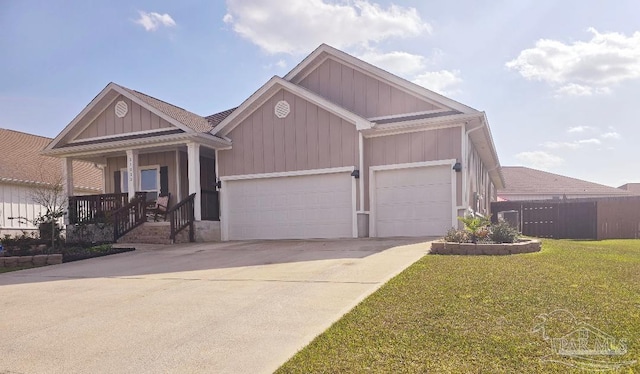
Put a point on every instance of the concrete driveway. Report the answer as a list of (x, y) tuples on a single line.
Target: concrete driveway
[(235, 307)]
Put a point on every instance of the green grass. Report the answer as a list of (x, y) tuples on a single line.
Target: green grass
[(475, 314)]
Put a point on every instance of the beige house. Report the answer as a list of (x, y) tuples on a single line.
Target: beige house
[(336, 148), (25, 174)]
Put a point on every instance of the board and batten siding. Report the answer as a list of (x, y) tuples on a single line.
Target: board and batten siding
[(308, 138), (479, 182), (361, 93), (167, 158), (136, 119), (430, 145)]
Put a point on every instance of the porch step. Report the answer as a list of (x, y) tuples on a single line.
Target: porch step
[(154, 233)]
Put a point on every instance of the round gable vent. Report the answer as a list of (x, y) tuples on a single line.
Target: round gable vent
[(282, 109), (121, 109)]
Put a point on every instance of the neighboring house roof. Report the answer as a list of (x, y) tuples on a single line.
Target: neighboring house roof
[(521, 180), (22, 163), (634, 188)]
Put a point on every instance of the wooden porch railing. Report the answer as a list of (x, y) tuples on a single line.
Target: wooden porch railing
[(181, 216), (97, 208), (129, 217), (94, 208)]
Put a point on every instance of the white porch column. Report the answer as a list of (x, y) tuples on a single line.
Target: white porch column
[(193, 156), (67, 182), (132, 172)]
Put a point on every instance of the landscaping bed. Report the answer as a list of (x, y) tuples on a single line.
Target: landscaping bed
[(82, 253), (492, 249), (29, 252)]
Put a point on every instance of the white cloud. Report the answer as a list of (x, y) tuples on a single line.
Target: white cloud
[(280, 64), (571, 145), (295, 27), (579, 129), (443, 81), (151, 21), (589, 141), (561, 145), (610, 135), (401, 63), (582, 68), (573, 89), (539, 159)]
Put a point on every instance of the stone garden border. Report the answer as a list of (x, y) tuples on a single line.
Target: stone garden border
[(30, 261), (449, 248)]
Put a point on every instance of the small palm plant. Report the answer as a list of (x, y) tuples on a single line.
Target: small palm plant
[(475, 225)]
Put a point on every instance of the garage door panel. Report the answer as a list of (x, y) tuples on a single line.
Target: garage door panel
[(295, 207), (413, 201)]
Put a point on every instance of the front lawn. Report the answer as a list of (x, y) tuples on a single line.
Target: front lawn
[(475, 314)]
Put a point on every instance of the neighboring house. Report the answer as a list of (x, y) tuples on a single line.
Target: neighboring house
[(633, 188), (524, 183), (337, 148), (24, 172)]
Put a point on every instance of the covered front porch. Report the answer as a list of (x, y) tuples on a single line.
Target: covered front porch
[(176, 185), (150, 152)]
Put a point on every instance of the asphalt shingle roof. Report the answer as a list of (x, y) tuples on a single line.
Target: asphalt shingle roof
[(21, 162), (523, 180), (187, 118), (216, 118)]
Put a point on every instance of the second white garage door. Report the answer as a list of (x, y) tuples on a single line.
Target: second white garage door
[(292, 207), (415, 201)]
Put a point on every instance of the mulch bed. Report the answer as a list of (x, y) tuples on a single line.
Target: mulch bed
[(83, 255)]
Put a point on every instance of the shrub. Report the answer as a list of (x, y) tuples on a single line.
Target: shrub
[(456, 236), (475, 225), (502, 232)]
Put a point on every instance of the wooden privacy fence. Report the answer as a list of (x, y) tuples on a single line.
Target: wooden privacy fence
[(600, 218)]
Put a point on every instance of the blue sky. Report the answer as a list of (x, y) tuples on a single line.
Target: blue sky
[(559, 80)]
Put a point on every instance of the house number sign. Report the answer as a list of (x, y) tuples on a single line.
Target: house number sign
[(130, 169)]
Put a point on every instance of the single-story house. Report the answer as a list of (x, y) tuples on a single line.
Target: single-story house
[(25, 173), (523, 183), (336, 148)]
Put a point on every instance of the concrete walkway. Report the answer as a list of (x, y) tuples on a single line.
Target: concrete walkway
[(237, 307)]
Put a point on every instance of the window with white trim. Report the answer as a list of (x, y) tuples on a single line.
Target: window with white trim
[(148, 181)]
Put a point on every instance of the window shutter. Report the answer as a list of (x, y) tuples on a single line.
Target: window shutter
[(116, 182), (164, 180)]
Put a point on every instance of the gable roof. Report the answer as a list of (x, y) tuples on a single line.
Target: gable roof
[(179, 117), (187, 118), (521, 180), (325, 51), (216, 118), (22, 163), (269, 89)]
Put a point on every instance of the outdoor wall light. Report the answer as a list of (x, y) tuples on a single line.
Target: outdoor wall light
[(457, 167), (356, 174)]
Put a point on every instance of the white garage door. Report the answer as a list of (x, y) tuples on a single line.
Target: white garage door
[(295, 207), (413, 201)]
